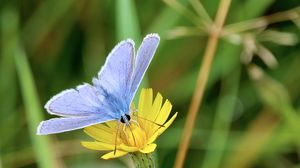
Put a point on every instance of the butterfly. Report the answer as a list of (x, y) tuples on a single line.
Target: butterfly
[(109, 96)]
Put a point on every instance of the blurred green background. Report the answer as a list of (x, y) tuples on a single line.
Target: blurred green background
[(250, 112)]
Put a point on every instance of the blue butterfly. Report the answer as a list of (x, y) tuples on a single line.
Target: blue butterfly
[(110, 95)]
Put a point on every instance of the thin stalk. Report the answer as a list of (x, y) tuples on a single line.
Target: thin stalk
[(166, 20), (201, 82), (177, 6), (197, 5), (261, 22)]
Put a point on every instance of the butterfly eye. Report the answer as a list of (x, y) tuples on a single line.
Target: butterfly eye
[(127, 117)]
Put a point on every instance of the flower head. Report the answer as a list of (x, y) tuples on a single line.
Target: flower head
[(146, 124)]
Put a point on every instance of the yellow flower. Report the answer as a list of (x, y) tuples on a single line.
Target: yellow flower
[(145, 126)]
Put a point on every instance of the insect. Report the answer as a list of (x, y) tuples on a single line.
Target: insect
[(110, 95)]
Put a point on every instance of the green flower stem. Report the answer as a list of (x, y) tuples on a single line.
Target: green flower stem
[(143, 160)]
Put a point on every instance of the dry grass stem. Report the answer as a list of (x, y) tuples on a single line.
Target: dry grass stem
[(261, 22), (201, 82)]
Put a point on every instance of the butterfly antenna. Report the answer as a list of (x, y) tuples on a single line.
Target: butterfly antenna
[(115, 149), (160, 125)]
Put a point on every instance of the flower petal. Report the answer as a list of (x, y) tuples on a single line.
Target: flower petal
[(164, 112), (100, 132), (112, 124), (96, 146), (128, 148), (114, 154), (162, 129), (149, 148), (167, 124), (145, 103), (154, 113)]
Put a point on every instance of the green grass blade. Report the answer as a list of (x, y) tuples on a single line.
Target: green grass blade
[(42, 145), (166, 20), (222, 121), (127, 24), (8, 115)]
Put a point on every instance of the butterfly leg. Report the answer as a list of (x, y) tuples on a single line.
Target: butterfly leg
[(136, 122), (116, 138), (124, 130)]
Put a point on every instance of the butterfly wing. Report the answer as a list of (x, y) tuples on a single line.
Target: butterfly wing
[(144, 56), (122, 73), (75, 102), (111, 94), (78, 107), (114, 77), (63, 124)]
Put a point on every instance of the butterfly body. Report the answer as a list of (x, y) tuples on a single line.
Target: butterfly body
[(110, 95)]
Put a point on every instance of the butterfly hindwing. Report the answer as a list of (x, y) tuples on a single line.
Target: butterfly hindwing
[(58, 125), (81, 101), (78, 107)]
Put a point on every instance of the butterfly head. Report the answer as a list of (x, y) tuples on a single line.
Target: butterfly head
[(125, 119)]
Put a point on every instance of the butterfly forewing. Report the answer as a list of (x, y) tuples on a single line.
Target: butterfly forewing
[(115, 75), (144, 56), (58, 125)]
